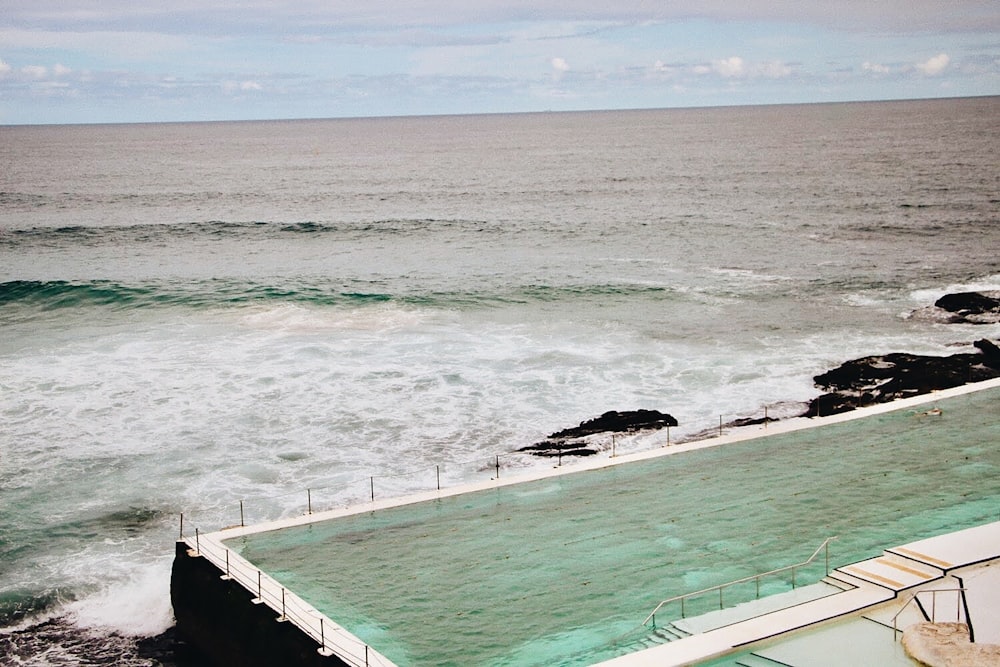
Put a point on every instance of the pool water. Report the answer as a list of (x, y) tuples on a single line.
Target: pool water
[(562, 571)]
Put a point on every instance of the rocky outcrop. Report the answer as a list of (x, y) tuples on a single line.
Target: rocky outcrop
[(963, 308), (884, 378), (971, 307), (573, 441), (947, 645)]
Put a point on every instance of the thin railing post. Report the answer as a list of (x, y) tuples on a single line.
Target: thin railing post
[(498, 466), (720, 597), (182, 526), (309, 500), (241, 514), (197, 542), (438, 467), (682, 607), (757, 580), (720, 426), (371, 481), (793, 577)]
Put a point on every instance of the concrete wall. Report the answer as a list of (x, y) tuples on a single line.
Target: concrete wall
[(218, 619)]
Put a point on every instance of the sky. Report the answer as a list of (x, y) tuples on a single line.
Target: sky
[(91, 61)]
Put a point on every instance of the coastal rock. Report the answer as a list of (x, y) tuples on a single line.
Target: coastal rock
[(971, 307), (571, 441), (884, 378), (962, 308)]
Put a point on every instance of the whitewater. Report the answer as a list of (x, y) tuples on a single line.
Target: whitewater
[(199, 317)]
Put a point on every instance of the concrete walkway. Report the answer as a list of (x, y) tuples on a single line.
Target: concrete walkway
[(922, 564)]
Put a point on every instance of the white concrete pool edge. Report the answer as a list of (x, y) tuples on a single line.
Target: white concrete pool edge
[(737, 434)]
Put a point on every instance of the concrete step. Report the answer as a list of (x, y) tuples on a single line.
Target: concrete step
[(893, 572)]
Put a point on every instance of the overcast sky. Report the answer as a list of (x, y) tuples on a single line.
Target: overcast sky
[(82, 61)]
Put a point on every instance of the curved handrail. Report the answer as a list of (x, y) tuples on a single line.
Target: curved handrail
[(719, 587), (934, 591)]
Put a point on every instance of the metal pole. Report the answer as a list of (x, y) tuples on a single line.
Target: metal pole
[(283, 603), (720, 426), (668, 435), (182, 526), (612, 445), (438, 476), (227, 562), (322, 637), (720, 597), (241, 514), (197, 542), (259, 596), (498, 466), (372, 482), (309, 499), (757, 579)]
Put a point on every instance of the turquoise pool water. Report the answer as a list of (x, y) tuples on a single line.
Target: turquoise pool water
[(561, 571)]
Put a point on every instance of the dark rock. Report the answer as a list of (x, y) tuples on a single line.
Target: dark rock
[(619, 422), (568, 441), (971, 307), (884, 378)]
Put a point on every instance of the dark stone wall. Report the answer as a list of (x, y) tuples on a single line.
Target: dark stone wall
[(218, 620)]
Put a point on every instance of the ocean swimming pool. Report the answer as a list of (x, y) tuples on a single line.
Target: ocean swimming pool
[(562, 570)]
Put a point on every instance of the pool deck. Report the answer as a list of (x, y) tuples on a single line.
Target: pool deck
[(867, 584), (906, 569)]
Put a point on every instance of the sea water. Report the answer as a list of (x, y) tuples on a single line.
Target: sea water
[(192, 315)]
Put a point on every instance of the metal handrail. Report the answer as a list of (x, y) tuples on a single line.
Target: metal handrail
[(755, 577), (960, 603), (332, 639)]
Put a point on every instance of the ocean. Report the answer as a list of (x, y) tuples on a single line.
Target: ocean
[(213, 319)]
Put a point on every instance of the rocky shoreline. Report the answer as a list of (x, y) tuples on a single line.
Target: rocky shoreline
[(857, 383)]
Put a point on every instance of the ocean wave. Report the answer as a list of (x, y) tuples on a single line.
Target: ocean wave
[(60, 294), (99, 235)]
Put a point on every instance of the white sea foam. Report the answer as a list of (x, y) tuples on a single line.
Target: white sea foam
[(136, 607)]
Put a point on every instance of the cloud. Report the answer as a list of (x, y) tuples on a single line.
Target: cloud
[(729, 68), (249, 86), (4, 68), (735, 67), (935, 65), (874, 68), (296, 17), (559, 68), (35, 71)]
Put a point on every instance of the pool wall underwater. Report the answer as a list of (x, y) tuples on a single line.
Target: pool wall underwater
[(227, 607)]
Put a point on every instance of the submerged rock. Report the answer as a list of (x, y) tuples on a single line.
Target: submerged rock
[(571, 441), (884, 378)]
